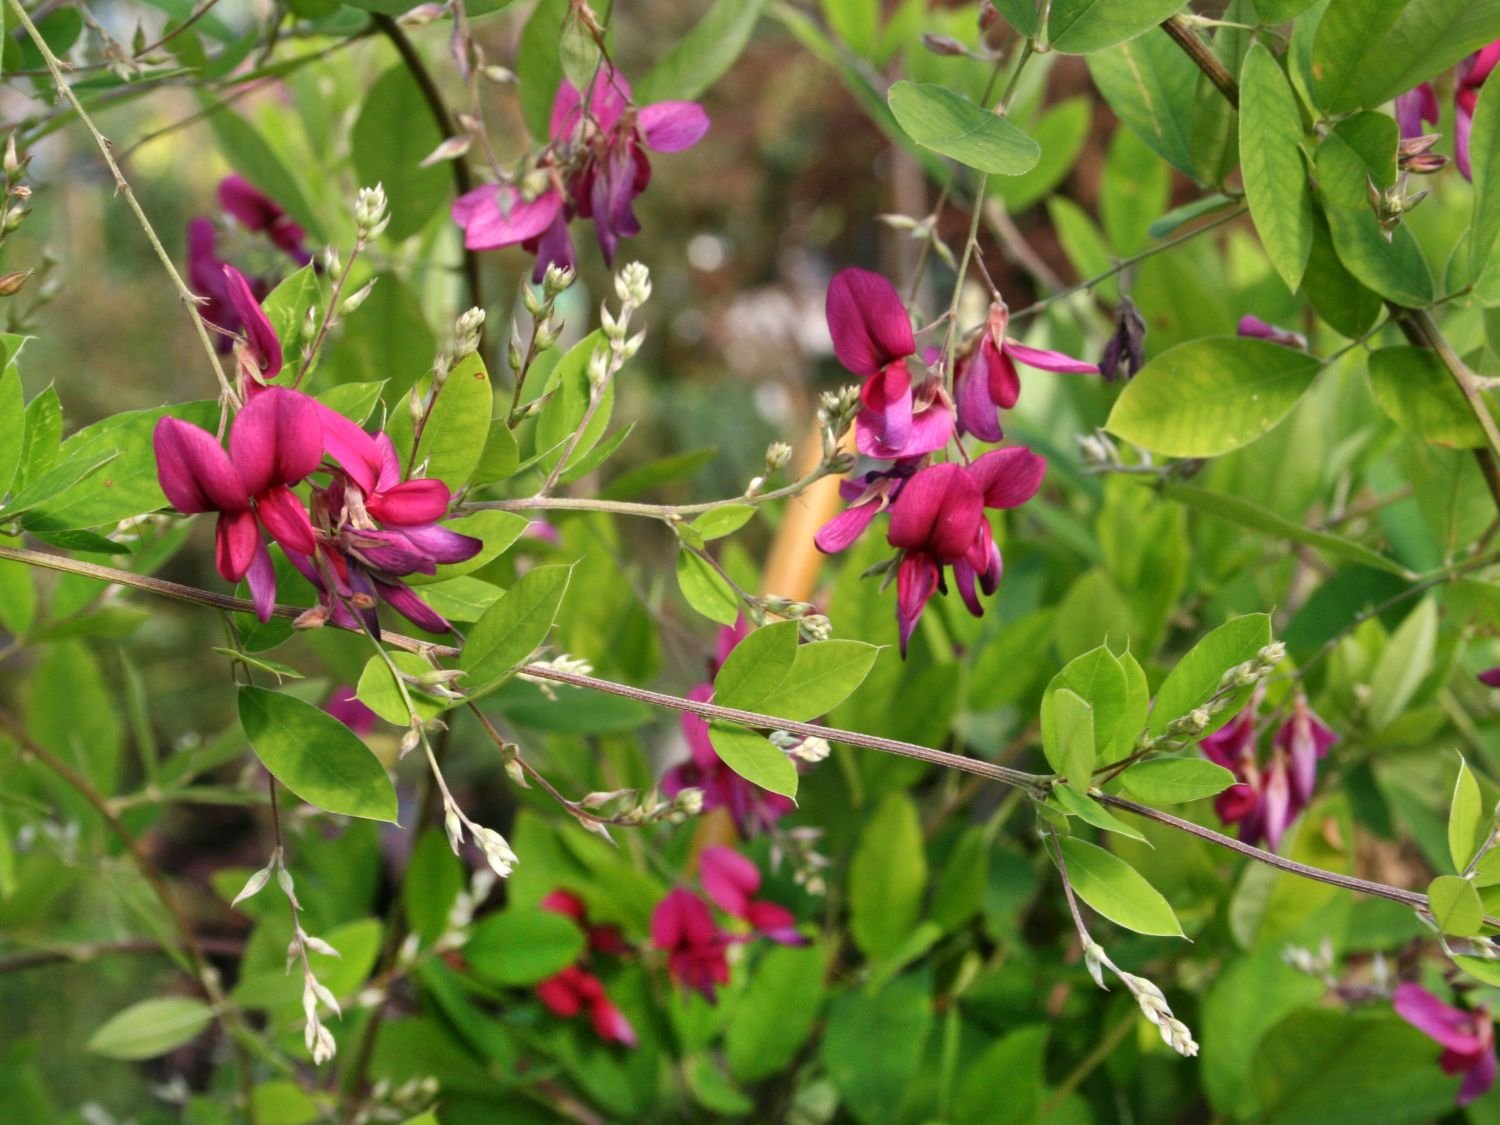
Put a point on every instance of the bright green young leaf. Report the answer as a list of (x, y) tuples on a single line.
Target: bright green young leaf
[(393, 157), (1404, 664), (1173, 781), (1346, 34), (823, 676), (1480, 969), (286, 308), (521, 946), (702, 56), (1079, 27), (1137, 708), (512, 629), (705, 589), (378, 691), (458, 427), (724, 520), (1070, 750), (501, 456), (1416, 391), (151, 1028), (1179, 217), (354, 401), (937, 118), (1464, 817), (1455, 906), (1484, 164), (887, 877), (1487, 870), (1271, 160), (1117, 890), (315, 756), (1196, 678), (757, 666), (1247, 513), (463, 598), (1060, 134), (1023, 15), (12, 427), (776, 1014), (1212, 395), (564, 413), (43, 439), (754, 758), (1099, 678), (1090, 811)]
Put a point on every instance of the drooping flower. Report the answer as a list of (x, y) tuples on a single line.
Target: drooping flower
[(602, 937), (594, 167), (868, 495), (1490, 677), (872, 337), (1255, 328), (731, 881), (1467, 1037), (986, 381), (1125, 352), (274, 443), (1472, 73), (1304, 738), (1416, 106), (257, 211), (683, 927), (938, 521), (575, 990), (260, 353)]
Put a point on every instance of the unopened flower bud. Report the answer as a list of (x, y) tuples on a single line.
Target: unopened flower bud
[(358, 297), (314, 618), (14, 217), (547, 333), (370, 218), (11, 283), (469, 324), (612, 327), (633, 284), (422, 14), (253, 886), (556, 280), (943, 44), (778, 455), (1272, 655), (318, 945), (499, 75), (497, 853), (284, 881), (14, 166), (1093, 960), (598, 369), (815, 627), (514, 356), (533, 301), (688, 801), (631, 346), (332, 264), (453, 825), (450, 149), (988, 14)]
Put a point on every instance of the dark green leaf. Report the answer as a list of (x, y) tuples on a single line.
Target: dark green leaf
[(776, 1014), (899, 1018), (1197, 675), (392, 157), (512, 629), (1347, 33), (1416, 391), (522, 946), (887, 876), (315, 756), (1425, 39), (702, 56)]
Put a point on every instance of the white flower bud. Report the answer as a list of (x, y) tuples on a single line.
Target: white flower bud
[(253, 886), (324, 1048), (410, 740), (778, 454), (499, 75), (284, 880), (632, 345), (532, 300), (689, 801), (598, 369), (370, 219), (497, 852), (453, 825), (331, 263), (556, 279), (612, 328), (633, 284), (318, 945), (358, 297), (1272, 655), (450, 149)]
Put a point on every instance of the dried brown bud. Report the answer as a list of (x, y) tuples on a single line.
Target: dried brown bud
[(10, 283), (943, 44)]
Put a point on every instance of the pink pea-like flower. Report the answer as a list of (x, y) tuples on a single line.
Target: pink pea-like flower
[(1467, 1038)]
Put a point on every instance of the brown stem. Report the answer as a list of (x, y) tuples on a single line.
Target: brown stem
[(1202, 54)]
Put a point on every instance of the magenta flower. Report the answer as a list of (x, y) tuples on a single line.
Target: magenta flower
[(1472, 74), (986, 381), (345, 706), (683, 927), (1490, 677), (602, 937), (1255, 328), (257, 211), (260, 354), (274, 443), (594, 167), (1304, 738), (872, 337), (575, 990), (938, 521), (731, 881), (868, 496), (1467, 1038), (1416, 106)]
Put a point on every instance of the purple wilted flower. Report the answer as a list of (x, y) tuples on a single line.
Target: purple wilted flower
[(986, 381), (1472, 74), (1258, 329), (1304, 738), (594, 167), (1125, 353), (1467, 1038), (938, 521), (872, 337), (274, 443), (731, 881), (345, 706)]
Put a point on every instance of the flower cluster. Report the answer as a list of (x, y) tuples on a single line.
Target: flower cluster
[(1267, 797), (594, 167), (576, 990), (697, 948), (1467, 1038), (257, 213), (751, 807), (368, 528), (937, 510), (1421, 104)]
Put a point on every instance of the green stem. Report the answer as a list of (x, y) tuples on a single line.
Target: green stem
[(630, 508)]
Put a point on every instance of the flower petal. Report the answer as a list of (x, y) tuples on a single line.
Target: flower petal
[(262, 579), (916, 580), (411, 607), (420, 501), (509, 219), (277, 439), (1449, 1026), (194, 471), (729, 879), (940, 506), (976, 409), (673, 126), (867, 321), (265, 345), (236, 539), (930, 431), (470, 202), (1479, 1080), (845, 527), (1047, 360), (351, 447), (1008, 478), (286, 519)]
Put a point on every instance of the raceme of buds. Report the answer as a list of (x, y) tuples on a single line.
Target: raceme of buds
[(633, 284), (778, 455), (370, 218), (556, 280), (497, 852)]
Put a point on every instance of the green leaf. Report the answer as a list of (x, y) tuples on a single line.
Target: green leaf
[(12, 427), (521, 946), (1079, 27), (274, 667), (1070, 749), (1209, 396), (1404, 664), (1279, 11), (1172, 781), (315, 756), (1455, 906), (1246, 513), (887, 875), (1023, 15), (705, 589), (1425, 38), (512, 629), (871, 1083), (776, 1014), (723, 520), (937, 118), (1347, 304), (1117, 890), (1271, 161), (1137, 708), (539, 64), (1480, 969), (823, 676), (354, 401), (458, 428), (151, 1028), (1484, 164), (393, 157), (1196, 678), (1464, 818), (378, 691), (248, 154), (1417, 393), (1016, 1064), (754, 758), (702, 56), (959, 886), (1179, 217), (501, 456), (1099, 678), (1346, 34), (564, 412), (757, 666), (433, 880), (1133, 192), (462, 598), (286, 308), (1246, 1000), (1090, 811)]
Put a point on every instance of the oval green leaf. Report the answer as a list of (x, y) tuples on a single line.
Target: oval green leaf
[(1172, 781), (1271, 163), (1416, 392), (1455, 906), (754, 758), (1117, 890), (151, 1028), (513, 627), (1078, 27), (520, 946), (1197, 675), (937, 118)]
